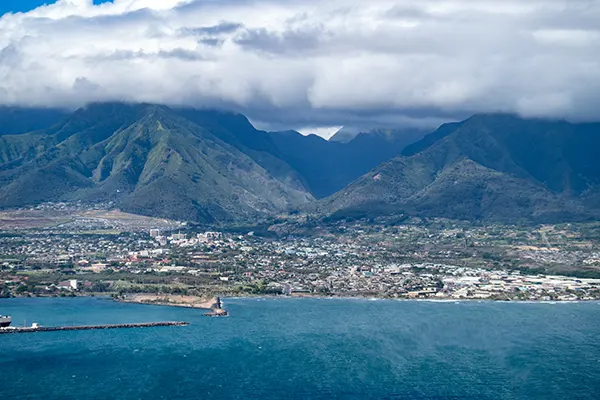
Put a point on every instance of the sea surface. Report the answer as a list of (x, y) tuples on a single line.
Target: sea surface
[(305, 349)]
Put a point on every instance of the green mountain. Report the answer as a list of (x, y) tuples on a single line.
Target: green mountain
[(215, 167), (147, 159), (200, 165), (493, 167), (322, 167), (235, 130)]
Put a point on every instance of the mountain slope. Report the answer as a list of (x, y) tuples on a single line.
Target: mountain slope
[(305, 162), (237, 131), (494, 167), (147, 159)]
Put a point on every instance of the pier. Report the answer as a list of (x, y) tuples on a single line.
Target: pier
[(88, 327)]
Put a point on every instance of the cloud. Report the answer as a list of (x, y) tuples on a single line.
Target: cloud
[(293, 63)]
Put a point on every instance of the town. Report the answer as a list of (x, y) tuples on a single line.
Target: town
[(73, 250)]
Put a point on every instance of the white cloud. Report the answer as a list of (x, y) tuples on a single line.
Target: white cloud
[(310, 62), (324, 131)]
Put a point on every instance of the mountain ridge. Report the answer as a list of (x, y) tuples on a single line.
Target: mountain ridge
[(213, 166), (544, 168)]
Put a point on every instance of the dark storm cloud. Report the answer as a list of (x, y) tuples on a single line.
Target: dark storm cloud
[(224, 27), (291, 42), (178, 53)]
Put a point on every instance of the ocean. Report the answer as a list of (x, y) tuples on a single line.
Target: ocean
[(305, 349)]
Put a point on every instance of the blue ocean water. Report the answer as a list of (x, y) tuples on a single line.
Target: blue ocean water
[(306, 349)]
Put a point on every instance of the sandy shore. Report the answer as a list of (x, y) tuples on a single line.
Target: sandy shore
[(171, 300)]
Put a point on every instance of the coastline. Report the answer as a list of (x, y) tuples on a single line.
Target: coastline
[(208, 302), (407, 299)]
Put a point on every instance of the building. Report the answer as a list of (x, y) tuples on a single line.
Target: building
[(426, 292), (154, 233), (71, 284), (96, 268)]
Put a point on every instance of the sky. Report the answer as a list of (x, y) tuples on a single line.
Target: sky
[(309, 63), (15, 6), (19, 5)]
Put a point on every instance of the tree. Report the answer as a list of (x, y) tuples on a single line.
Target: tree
[(21, 289)]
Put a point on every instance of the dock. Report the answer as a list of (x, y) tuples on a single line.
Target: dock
[(88, 327)]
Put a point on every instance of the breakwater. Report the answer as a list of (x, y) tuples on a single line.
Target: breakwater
[(217, 313), (88, 327)]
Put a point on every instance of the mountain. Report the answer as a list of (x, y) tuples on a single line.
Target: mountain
[(182, 163), (16, 120), (490, 167), (215, 167), (322, 167), (405, 135), (328, 167), (237, 131), (148, 159)]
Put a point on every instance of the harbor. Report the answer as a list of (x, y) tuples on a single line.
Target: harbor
[(216, 310), (35, 328)]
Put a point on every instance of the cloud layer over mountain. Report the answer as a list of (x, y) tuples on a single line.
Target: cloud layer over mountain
[(294, 62)]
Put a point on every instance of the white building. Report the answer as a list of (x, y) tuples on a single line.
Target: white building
[(154, 233)]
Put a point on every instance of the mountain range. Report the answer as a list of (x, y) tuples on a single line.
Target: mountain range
[(214, 167), (199, 165)]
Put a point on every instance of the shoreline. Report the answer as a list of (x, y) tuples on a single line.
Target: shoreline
[(402, 299), (207, 303)]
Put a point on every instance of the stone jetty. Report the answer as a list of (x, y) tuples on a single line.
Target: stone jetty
[(88, 327)]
